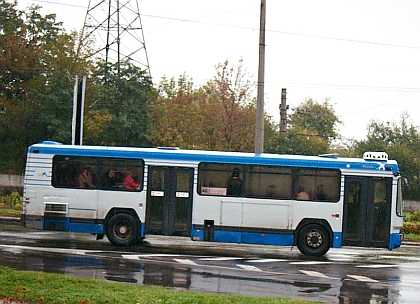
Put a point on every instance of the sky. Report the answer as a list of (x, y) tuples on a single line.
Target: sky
[(363, 56)]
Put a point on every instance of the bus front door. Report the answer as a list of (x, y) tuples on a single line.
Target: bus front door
[(367, 207), (169, 201)]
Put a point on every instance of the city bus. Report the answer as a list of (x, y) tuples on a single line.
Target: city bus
[(128, 193)]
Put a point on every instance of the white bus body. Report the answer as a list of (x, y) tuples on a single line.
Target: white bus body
[(312, 202)]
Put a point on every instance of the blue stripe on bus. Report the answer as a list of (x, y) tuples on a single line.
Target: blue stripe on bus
[(257, 237), (337, 239), (395, 240), (93, 228), (226, 236), (215, 156), (86, 227)]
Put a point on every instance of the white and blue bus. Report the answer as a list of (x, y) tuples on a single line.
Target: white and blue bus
[(314, 202)]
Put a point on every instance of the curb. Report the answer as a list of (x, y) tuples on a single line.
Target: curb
[(10, 220)]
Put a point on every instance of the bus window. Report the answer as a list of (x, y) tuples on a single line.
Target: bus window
[(317, 185), (74, 172), (220, 179), (122, 174), (268, 182), (400, 204)]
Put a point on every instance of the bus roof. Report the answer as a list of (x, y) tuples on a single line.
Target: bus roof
[(197, 156)]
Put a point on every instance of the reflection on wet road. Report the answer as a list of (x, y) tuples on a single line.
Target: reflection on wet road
[(343, 276)]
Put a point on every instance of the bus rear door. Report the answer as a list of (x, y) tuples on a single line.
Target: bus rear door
[(169, 201), (367, 207)]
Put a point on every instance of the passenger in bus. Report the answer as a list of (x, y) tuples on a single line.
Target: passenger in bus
[(129, 182), (109, 180), (64, 176), (235, 184), (85, 179), (273, 191), (300, 194), (320, 193)]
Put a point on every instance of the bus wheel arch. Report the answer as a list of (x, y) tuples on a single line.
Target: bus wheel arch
[(313, 237), (122, 227)]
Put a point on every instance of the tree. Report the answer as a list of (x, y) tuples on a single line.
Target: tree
[(117, 106), (311, 128), (28, 43), (319, 119), (220, 115), (402, 142)]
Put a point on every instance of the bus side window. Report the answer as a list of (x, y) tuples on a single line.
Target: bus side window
[(268, 182), (320, 185), (219, 179)]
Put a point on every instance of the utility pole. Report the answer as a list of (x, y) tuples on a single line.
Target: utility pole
[(78, 107), (283, 114), (259, 127)]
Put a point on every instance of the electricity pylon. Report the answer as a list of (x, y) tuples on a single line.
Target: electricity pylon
[(116, 30)]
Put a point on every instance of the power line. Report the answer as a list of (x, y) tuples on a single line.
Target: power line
[(253, 28)]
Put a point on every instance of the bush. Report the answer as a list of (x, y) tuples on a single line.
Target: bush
[(415, 216), (11, 200), (410, 228)]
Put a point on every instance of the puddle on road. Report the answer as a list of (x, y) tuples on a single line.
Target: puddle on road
[(345, 290)]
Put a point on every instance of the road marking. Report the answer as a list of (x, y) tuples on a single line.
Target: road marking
[(265, 261), (186, 262), (362, 278), (55, 250), (131, 256), (408, 258), (309, 263), (159, 255), (317, 274), (377, 266), (341, 257), (249, 267), (220, 259)]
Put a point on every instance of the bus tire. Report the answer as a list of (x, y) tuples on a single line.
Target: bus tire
[(313, 240), (121, 229)]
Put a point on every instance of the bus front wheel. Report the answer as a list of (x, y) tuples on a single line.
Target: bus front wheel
[(121, 229), (313, 240)]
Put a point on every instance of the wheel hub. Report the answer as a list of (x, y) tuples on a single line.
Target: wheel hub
[(314, 239), (122, 230)]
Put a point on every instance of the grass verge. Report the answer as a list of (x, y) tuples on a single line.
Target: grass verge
[(38, 287)]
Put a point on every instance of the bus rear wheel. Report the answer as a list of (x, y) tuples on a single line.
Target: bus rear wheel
[(121, 229), (313, 240)]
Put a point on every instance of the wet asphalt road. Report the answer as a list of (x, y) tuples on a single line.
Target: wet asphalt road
[(346, 275)]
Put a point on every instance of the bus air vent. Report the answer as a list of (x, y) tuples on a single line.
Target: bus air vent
[(55, 208)]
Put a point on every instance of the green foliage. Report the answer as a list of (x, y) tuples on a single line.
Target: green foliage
[(36, 287), (117, 108), (411, 228), (318, 119), (35, 87), (38, 63), (402, 142), (11, 200), (413, 217), (219, 115), (311, 128)]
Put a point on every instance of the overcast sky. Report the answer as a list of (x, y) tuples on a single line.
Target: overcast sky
[(362, 55)]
